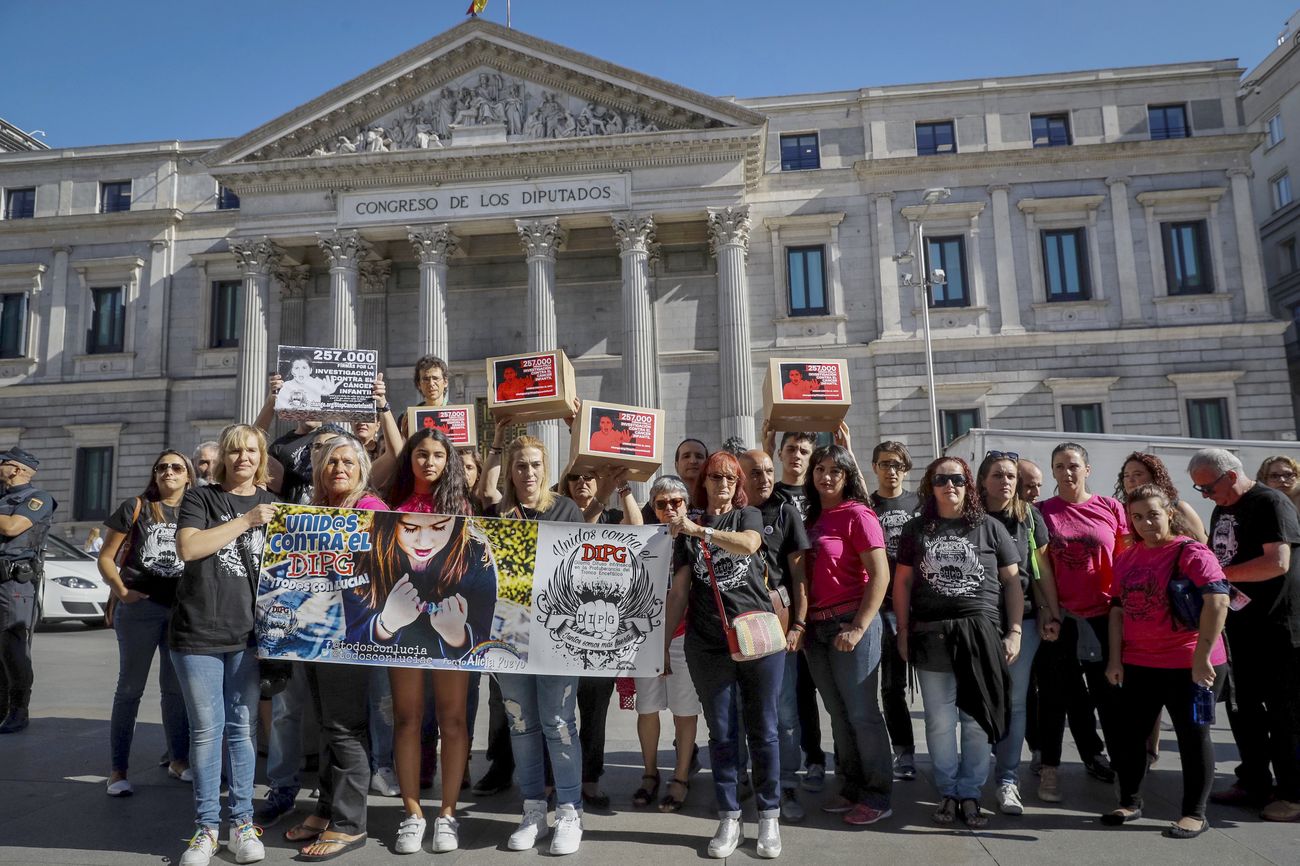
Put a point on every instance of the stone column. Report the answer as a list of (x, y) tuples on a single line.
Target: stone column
[(891, 312), (56, 329), (541, 240), (345, 250), (374, 306), (1008, 291), (257, 258), (433, 244), (729, 241), (1130, 295), (636, 246), (159, 296), (1252, 269), (295, 281)]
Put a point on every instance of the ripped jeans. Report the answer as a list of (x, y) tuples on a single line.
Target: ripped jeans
[(541, 711)]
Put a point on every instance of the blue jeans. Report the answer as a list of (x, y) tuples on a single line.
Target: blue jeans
[(959, 777), (542, 712), (787, 723), (715, 675), (141, 631), (1006, 769), (848, 683), (380, 708), (284, 746), (221, 694)]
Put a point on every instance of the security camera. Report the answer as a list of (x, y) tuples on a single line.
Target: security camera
[(906, 278), (938, 276)]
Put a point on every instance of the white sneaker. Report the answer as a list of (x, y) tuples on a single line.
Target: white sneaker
[(120, 788), (203, 844), (568, 830), (769, 838), (384, 783), (532, 826), (244, 843), (410, 835), (1009, 802), (446, 834), (728, 836)]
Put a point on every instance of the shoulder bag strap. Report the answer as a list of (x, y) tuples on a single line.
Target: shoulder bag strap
[(713, 579), (124, 548)]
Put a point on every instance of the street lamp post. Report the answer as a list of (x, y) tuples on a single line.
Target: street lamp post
[(929, 279)]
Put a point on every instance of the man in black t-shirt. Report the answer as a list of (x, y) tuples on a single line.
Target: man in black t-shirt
[(1254, 532), (891, 461)]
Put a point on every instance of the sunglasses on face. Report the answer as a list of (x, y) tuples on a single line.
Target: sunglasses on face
[(718, 478), (945, 480), (665, 504), (178, 468), (581, 477), (1207, 489), (1003, 455)]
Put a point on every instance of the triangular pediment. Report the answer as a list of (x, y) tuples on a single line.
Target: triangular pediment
[(481, 83)]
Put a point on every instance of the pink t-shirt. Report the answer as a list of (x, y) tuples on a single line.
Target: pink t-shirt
[(839, 538), (417, 504), (1141, 576), (370, 502), (1083, 550)]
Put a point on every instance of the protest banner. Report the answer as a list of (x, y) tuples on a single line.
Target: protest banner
[(806, 393), (472, 593), (326, 384)]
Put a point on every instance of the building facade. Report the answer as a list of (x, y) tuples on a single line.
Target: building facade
[(488, 192)]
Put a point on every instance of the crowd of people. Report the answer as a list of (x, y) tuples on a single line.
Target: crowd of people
[(1017, 616)]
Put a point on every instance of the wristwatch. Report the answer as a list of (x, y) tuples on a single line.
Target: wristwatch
[(384, 408), (708, 534)]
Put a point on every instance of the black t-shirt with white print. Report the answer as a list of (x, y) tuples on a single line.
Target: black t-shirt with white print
[(1238, 533), (152, 566), (955, 567), (293, 450), (894, 513), (796, 494), (740, 579), (214, 601)]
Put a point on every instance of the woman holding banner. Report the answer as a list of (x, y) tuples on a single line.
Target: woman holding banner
[(723, 552), (541, 708)]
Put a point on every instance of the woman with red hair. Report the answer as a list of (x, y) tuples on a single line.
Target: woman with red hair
[(1140, 469), (724, 548)]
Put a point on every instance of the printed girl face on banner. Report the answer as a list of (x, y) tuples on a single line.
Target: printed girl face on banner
[(421, 536), (300, 370), (428, 461)]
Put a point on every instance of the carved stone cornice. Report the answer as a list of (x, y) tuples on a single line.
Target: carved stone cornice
[(344, 249), (729, 226), (1118, 180), (635, 234), (541, 238), (434, 244), (256, 256), (1244, 171), (293, 280), (374, 276)]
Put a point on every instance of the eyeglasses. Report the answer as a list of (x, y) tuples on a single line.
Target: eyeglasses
[(719, 478), (892, 466), (580, 477), (178, 468), (1282, 477), (665, 504), (944, 480), (424, 380), (1207, 489), (1003, 455)]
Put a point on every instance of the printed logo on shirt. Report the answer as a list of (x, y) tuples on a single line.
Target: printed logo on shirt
[(892, 522), (731, 571), (1073, 553), (1144, 597), (951, 567), (1223, 540), (157, 550)]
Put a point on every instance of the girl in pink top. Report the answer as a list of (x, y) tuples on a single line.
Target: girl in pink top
[(1159, 662)]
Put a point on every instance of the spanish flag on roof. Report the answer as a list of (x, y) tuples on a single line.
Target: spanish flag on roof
[(475, 7)]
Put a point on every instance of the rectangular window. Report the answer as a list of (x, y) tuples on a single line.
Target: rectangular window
[(1081, 418), (226, 200), (114, 196), (227, 306), (1281, 187), (1050, 130), (1187, 264), (94, 484), (1208, 418), (935, 138), (1286, 256), (957, 422), (1065, 265), (800, 152), (20, 204), (1274, 127), (1168, 121), (806, 271), (13, 325), (107, 321), (949, 256)]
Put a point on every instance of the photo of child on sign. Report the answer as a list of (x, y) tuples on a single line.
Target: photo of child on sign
[(810, 382), (622, 432), (525, 378)]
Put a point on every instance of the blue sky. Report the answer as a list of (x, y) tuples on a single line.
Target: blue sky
[(108, 71)]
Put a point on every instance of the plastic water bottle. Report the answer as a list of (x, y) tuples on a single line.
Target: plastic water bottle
[(1202, 705)]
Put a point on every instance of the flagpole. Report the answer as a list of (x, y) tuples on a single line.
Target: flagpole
[(507, 14)]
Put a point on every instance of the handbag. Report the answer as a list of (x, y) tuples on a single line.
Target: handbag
[(1185, 598), (123, 553), (752, 635)]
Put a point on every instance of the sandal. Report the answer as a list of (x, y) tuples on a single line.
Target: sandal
[(645, 795), (339, 848), (971, 815), (947, 811), (303, 832), (674, 804)]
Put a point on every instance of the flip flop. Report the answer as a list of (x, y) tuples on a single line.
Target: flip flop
[(303, 832), (341, 847), (645, 795)]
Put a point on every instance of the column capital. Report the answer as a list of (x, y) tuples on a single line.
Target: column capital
[(729, 226), (256, 256), (635, 234), (344, 249), (998, 187), (541, 238), (293, 280), (434, 244), (882, 196), (1240, 171), (374, 275), (1118, 180)]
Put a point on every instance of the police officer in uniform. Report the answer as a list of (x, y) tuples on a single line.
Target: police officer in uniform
[(26, 513)]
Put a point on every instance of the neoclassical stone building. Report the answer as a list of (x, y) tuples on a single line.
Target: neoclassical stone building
[(488, 192)]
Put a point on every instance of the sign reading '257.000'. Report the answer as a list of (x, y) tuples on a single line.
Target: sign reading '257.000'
[(473, 593), (475, 201)]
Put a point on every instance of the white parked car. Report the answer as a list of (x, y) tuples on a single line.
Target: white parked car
[(72, 588)]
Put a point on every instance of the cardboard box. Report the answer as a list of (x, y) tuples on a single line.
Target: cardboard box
[(806, 394), (457, 421), (536, 386), (609, 434)]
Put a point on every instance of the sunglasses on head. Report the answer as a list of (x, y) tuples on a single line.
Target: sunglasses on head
[(178, 468), (956, 480), (1003, 455), (664, 504)]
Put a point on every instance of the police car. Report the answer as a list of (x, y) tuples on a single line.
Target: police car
[(72, 588)]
